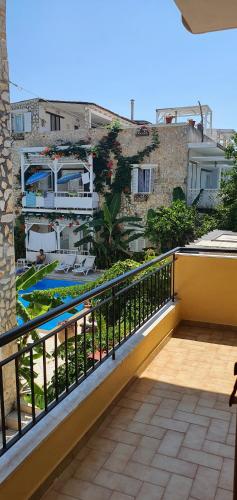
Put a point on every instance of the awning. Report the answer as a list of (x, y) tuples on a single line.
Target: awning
[(69, 177), (37, 177), (202, 16)]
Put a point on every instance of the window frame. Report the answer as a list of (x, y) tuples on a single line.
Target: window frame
[(55, 122), (13, 119), (145, 166)]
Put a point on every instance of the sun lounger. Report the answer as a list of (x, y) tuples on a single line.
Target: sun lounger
[(66, 265), (86, 266)]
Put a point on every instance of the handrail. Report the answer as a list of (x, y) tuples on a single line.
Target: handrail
[(16, 332)]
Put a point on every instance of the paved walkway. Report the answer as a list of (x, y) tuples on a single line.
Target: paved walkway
[(171, 434)]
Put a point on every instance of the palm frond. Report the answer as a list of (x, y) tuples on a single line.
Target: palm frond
[(22, 312), (115, 205), (24, 277), (38, 275)]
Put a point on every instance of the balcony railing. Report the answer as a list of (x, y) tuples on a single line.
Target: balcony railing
[(61, 201), (208, 197), (117, 309)]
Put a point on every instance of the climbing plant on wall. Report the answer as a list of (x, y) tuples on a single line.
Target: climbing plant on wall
[(104, 154)]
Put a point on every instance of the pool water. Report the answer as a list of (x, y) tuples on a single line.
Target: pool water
[(46, 284)]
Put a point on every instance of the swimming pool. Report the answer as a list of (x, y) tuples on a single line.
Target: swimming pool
[(46, 284)]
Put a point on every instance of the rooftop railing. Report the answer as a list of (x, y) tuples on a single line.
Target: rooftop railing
[(63, 358)]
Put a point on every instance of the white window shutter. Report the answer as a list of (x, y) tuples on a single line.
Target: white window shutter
[(152, 177), (134, 180), (27, 121), (137, 245)]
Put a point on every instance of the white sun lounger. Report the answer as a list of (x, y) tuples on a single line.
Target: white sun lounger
[(86, 266), (66, 265)]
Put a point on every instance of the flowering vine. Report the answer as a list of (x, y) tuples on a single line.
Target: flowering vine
[(107, 152)]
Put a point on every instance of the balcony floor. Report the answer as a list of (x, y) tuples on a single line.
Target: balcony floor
[(170, 436)]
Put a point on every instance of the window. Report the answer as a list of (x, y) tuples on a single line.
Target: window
[(54, 122), (18, 123), (21, 122), (142, 179), (138, 245)]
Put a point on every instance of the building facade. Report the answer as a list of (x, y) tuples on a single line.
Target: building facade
[(56, 195)]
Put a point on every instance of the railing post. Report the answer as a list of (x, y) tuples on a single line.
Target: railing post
[(173, 277), (233, 401), (113, 306)]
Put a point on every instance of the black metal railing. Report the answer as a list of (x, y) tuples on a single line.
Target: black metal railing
[(49, 366)]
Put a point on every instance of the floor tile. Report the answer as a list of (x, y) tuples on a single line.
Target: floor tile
[(227, 474), (147, 473), (143, 455), (171, 443), (223, 494), (194, 437), (205, 483), (119, 482), (201, 458), (174, 465), (150, 492), (178, 488), (85, 490)]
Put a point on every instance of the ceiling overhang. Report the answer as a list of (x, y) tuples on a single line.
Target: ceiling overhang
[(203, 16)]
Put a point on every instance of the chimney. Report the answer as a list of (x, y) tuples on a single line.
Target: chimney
[(132, 108)]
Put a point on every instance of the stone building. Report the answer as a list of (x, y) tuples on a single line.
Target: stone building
[(181, 160)]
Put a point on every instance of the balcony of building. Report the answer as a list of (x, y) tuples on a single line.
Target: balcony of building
[(207, 167), (64, 184), (138, 404)]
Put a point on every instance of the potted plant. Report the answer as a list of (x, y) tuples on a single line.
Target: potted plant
[(169, 118)]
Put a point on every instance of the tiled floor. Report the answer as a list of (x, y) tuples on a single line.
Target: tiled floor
[(171, 434)]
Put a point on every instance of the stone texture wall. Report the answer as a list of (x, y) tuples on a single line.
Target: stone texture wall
[(171, 158), (7, 260)]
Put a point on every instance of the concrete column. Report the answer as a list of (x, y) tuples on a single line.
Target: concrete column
[(7, 257)]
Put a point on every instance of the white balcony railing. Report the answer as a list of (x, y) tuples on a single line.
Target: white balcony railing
[(208, 198), (61, 200)]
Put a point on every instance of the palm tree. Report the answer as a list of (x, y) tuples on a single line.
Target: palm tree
[(110, 234)]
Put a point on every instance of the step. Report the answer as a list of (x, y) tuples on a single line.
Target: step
[(12, 420), (27, 408)]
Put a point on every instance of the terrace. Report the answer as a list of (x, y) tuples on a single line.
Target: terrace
[(144, 411)]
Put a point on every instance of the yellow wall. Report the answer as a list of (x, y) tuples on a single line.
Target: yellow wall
[(34, 471), (207, 288)]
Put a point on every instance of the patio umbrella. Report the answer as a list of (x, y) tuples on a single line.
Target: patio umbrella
[(37, 177), (69, 177), (202, 16)]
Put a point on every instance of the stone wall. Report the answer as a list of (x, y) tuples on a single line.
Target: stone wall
[(7, 260)]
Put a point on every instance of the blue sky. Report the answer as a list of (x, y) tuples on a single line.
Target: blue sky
[(109, 52)]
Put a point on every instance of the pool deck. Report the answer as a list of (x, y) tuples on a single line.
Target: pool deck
[(76, 277)]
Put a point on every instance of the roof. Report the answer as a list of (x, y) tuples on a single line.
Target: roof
[(216, 240), (202, 16), (87, 103), (186, 110)]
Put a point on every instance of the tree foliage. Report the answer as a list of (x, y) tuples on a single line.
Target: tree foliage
[(35, 308), (177, 225), (227, 210), (109, 233)]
